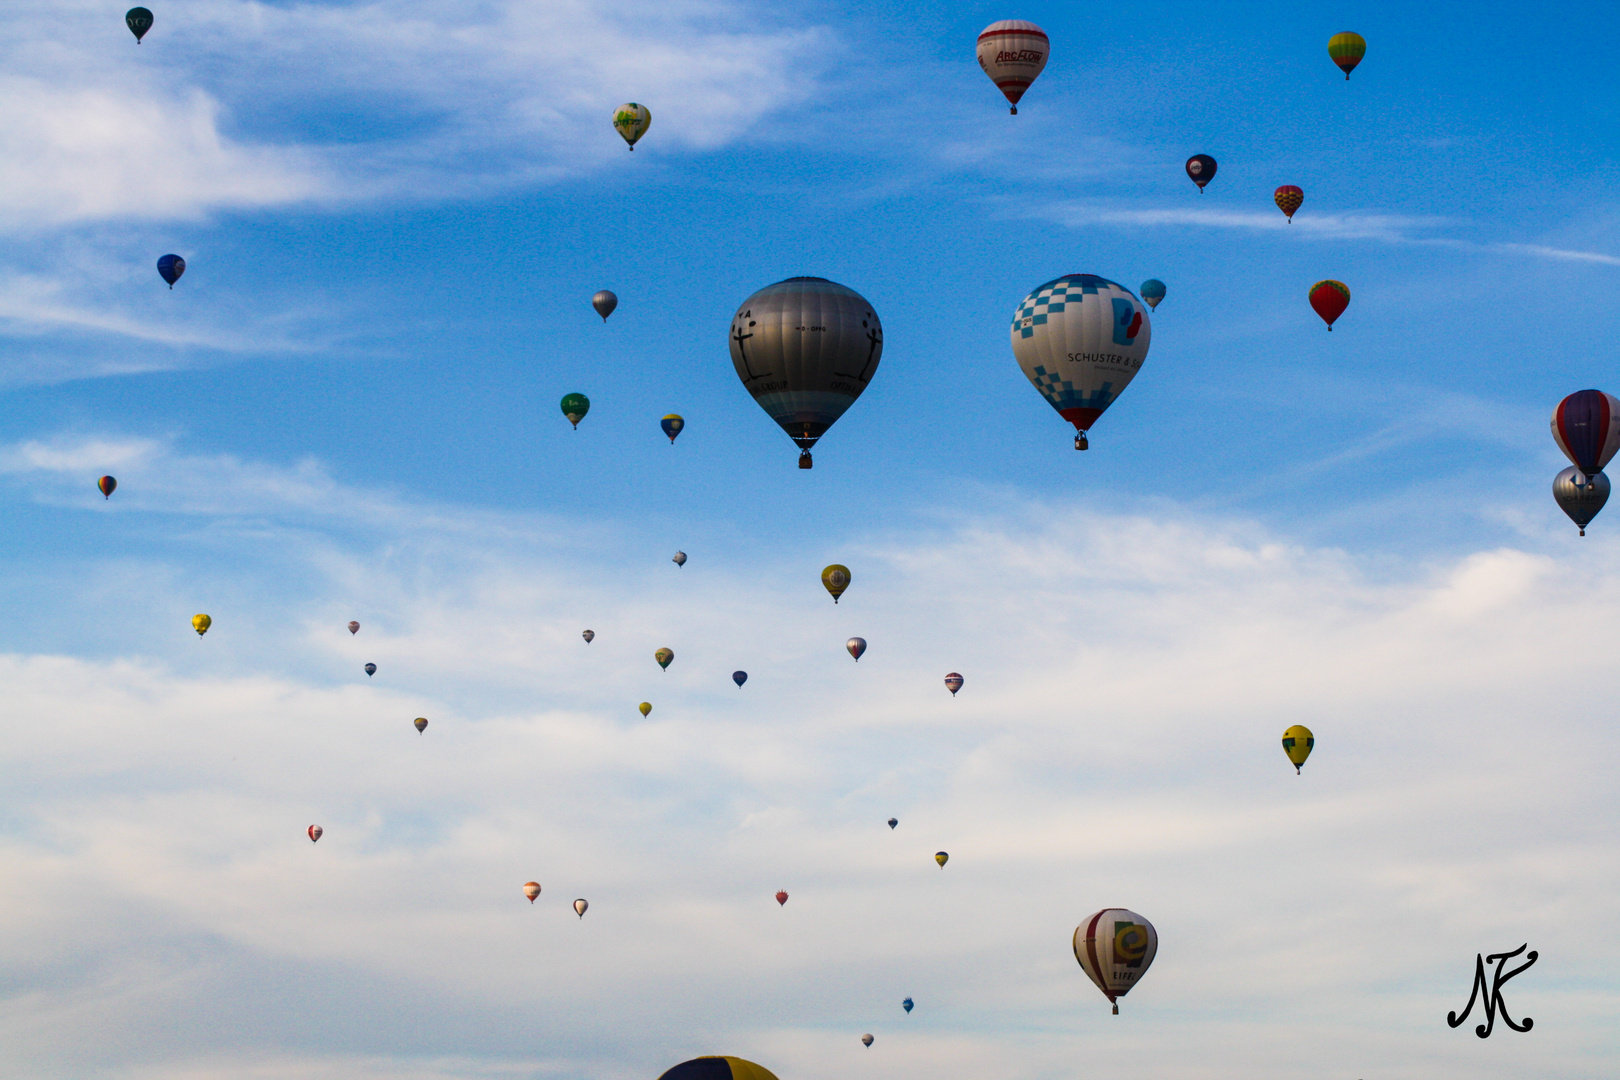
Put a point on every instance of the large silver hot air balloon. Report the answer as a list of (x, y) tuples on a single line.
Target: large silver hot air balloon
[(1081, 339), (806, 348), (1580, 496), (1115, 948)]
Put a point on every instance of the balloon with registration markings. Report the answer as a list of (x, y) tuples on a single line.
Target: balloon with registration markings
[(1013, 53), (1298, 742), (1580, 495), (139, 21), (631, 121), (1288, 199), (805, 348), (1115, 947), (106, 485), (1329, 299), (718, 1068), (1152, 292), (1586, 427), (1347, 49), (604, 302), (1080, 340)]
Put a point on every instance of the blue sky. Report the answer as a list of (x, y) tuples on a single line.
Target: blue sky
[(394, 217)]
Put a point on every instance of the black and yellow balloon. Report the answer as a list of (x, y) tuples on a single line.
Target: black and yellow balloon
[(1298, 742), (718, 1068)]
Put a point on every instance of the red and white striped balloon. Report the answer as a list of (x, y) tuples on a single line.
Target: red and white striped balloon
[(1013, 53)]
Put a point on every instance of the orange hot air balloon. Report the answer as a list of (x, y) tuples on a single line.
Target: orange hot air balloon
[(1330, 298), (781, 897), (106, 484), (315, 832), (1288, 199), (531, 889)]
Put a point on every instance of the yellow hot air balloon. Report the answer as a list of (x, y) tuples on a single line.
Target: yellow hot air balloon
[(941, 858), (201, 623), (1298, 742), (645, 707), (836, 579), (1347, 49), (718, 1068), (631, 121)]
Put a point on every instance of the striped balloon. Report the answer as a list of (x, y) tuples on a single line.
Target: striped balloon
[(1013, 53), (1586, 427), (1115, 948), (1289, 198), (1347, 49)]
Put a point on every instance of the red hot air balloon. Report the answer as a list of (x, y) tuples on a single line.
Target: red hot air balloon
[(1288, 199), (315, 832), (953, 683), (107, 485), (781, 897), (1586, 427), (1330, 298)]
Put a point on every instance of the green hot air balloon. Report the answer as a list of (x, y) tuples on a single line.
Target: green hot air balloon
[(664, 656), (1346, 50), (575, 406), (139, 21)]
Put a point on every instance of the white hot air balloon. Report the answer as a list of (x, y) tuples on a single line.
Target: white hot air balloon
[(531, 889), (806, 348), (1013, 53), (1115, 948), (631, 121), (1081, 339), (580, 906)]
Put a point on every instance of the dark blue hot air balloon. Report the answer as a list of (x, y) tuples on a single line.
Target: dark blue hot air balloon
[(906, 1004), (139, 21), (171, 267), (371, 669), (1586, 427), (739, 677)]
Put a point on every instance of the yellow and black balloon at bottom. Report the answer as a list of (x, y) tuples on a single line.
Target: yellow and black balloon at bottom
[(718, 1068)]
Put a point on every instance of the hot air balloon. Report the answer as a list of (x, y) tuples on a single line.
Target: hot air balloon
[(1013, 53), (420, 723), (1201, 170), (781, 897), (1347, 49), (604, 302), (672, 425), (664, 656), (893, 822), (1297, 744), (1330, 298), (170, 267), (575, 406), (631, 121), (1152, 292), (1080, 339), (805, 348), (531, 889), (589, 636), (1586, 427), (645, 707), (354, 627), (941, 858), (1115, 948), (739, 677), (580, 907), (201, 623), (106, 485), (1580, 495), (866, 1040), (718, 1068), (836, 578), (315, 833), (1288, 199), (139, 21), (953, 683), (679, 558), (906, 1005), (371, 669), (856, 646)]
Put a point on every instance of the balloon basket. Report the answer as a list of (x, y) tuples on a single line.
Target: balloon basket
[(1116, 1008), (805, 461), (1080, 441)]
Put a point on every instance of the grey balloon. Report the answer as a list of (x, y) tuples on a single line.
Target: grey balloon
[(806, 348), (589, 636), (604, 302), (679, 558), (1580, 496)]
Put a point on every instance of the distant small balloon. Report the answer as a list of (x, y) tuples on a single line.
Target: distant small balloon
[(672, 425), (867, 1039), (835, 579), (139, 21), (953, 683), (315, 833), (589, 636), (421, 724), (1288, 199), (171, 267), (645, 707), (531, 889), (371, 669), (1201, 170), (354, 627), (631, 121), (107, 485), (893, 822), (201, 623), (906, 1004), (575, 406), (604, 302), (941, 858), (1329, 299), (679, 558), (1580, 496), (581, 904), (856, 646), (739, 677), (781, 897), (1347, 49), (664, 656), (1152, 292), (1297, 744)]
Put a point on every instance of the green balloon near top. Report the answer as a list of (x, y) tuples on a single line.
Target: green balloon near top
[(1347, 49), (139, 21), (664, 656), (575, 406)]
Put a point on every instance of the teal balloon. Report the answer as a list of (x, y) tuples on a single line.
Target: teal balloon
[(1152, 292)]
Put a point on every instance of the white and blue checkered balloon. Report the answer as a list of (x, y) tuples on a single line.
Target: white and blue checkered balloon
[(1081, 339)]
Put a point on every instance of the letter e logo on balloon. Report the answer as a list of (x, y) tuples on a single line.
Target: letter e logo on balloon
[(1130, 943)]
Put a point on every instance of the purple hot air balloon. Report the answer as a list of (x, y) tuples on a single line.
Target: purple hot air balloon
[(1586, 427)]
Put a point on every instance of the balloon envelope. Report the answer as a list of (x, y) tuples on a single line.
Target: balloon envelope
[(420, 723), (1329, 299), (1580, 495), (604, 302), (805, 348), (371, 669), (1297, 744), (781, 897), (531, 889), (201, 623), (1347, 49), (664, 656), (953, 683), (739, 677), (170, 267), (1115, 947), (1288, 199), (1013, 53), (672, 425), (106, 485), (1586, 427), (575, 406), (589, 636), (631, 121), (856, 646), (718, 1068), (867, 1039), (645, 707), (893, 822), (679, 558), (580, 907), (354, 627), (836, 579), (1201, 170), (1080, 340), (1152, 292), (139, 21), (315, 833), (906, 1004), (941, 858)]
